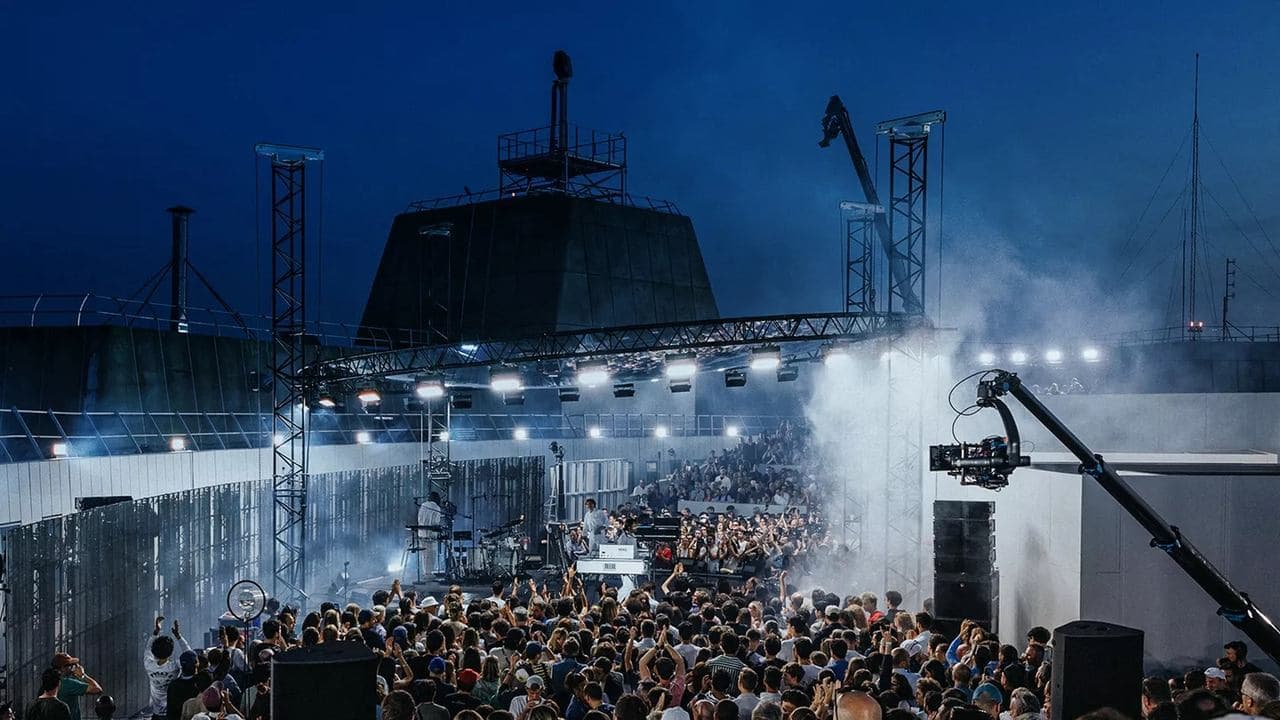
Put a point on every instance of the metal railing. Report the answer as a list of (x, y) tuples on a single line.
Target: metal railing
[(91, 310), (628, 199), (29, 435)]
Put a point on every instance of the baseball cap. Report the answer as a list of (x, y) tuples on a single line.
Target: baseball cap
[(468, 678), (1215, 673), (364, 616), (989, 691), (534, 681), (187, 661), (532, 649), (833, 611), (521, 611), (61, 660), (436, 665)]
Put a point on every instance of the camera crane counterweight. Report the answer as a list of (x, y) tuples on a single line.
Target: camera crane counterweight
[(990, 463)]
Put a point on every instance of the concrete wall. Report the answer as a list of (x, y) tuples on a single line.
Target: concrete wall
[(36, 490), (1124, 580)]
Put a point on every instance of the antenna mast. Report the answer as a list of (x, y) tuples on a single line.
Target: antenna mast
[(1194, 326)]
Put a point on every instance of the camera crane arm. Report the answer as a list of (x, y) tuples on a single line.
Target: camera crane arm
[(1234, 605)]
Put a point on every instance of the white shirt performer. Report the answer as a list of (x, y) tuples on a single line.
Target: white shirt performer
[(161, 663), (430, 513), (594, 523)]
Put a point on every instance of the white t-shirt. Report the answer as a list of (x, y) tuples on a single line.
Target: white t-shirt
[(159, 676), (675, 713)]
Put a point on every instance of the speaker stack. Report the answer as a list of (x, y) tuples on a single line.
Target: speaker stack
[(1096, 665), (335, 681), (965, 580)]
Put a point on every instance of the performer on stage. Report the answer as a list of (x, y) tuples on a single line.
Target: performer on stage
[(594, 524), (430, 512)]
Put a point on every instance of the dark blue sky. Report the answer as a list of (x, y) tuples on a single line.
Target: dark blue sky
[(1061, 121)]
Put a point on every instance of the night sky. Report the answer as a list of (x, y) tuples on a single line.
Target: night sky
[(1061, 121)]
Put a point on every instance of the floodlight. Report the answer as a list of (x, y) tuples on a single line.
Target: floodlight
[(460, 400), (1053, 356), (368, 395), (731, 430), (363, 437), (325, 399), (681, 367), (443, 435), (1017, 357), (624, 390), (513, 398), (521, 433), (661, 431), (986, 357), (177, 443), (735, 378), (429, 388), (836, 355), (505, 380), (766, 358), (594, 432), (1090, 354), (569, 394), (788, 373), (680, 386), (59, 450), (593, 372)]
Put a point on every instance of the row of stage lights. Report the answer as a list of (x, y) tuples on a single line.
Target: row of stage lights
[(1052, 356)]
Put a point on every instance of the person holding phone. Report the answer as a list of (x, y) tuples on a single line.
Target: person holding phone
[(75, 684)]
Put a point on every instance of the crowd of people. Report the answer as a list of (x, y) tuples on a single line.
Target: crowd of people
[(682, 649), (772, 468)]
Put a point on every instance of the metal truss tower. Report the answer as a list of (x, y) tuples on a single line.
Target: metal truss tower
[(904, 470), (859, 264), (909, 203), (288, 177)]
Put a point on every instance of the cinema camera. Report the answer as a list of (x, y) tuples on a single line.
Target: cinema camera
[(988, 463)]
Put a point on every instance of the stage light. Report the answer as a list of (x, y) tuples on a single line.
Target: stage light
[(429, 389), (766, 358), (177, 443), (469, 347), (593, 372), (680, 386), (443, 436), (836, 355), (1017, 357), (59, 450), (521, 433), (735, 378), (505, 380), (569, 394), (731, 430), (624, 390), (460, 401), (986, 357), (1090, 354), (681, 367), (661, 431), (325, 399), (363, 437), (1053, 357), (368, 395), (514, 398), (594, 432), (788, 373)]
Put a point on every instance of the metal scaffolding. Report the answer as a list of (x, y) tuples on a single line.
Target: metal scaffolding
[(859, 221), (909, 204), (288, 176), (904, 497)]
